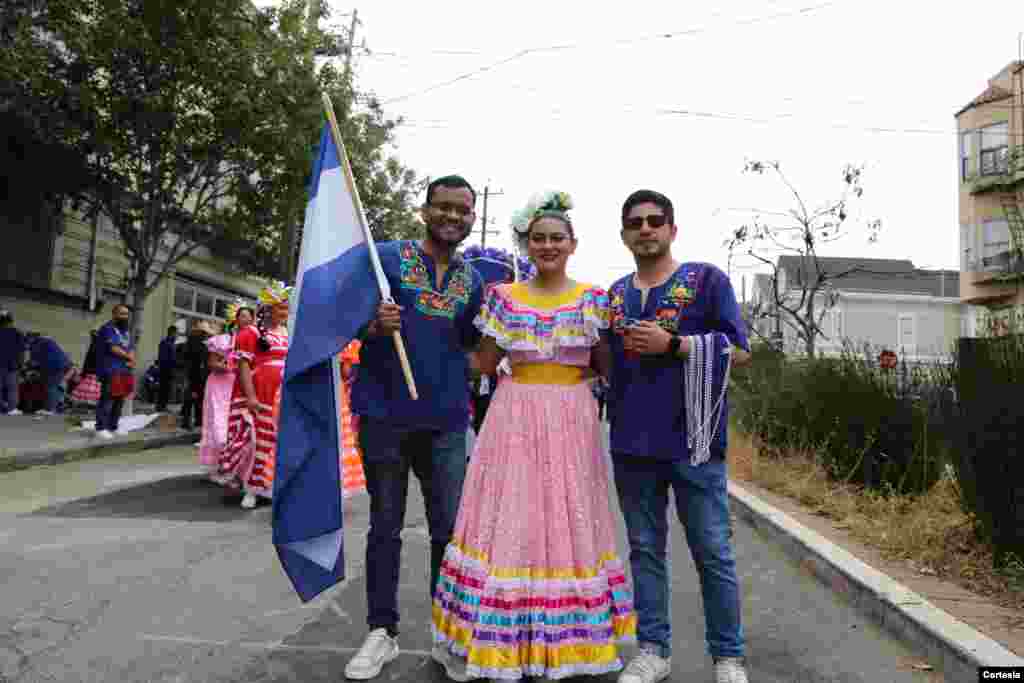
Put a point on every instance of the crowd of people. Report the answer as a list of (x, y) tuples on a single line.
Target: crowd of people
[(525, 580)]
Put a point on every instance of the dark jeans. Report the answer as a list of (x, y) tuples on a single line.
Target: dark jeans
[(8, 390), (702, 504), (390, 452), (53, 391), (196, 404), (164, 392), (108, 410)]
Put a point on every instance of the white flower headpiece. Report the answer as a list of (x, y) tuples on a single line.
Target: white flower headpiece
[(550, 203)]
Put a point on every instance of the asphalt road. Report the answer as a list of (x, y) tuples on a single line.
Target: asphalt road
[(133, 568)]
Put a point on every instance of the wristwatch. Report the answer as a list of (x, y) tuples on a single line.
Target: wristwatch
[(673, 346)]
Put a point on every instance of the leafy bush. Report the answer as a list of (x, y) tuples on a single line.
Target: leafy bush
[(868, 425)]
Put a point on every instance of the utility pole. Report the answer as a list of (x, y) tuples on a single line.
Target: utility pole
[(483, 226), (350, 50)]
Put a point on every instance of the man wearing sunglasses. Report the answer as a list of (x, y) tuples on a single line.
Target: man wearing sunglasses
[(437, 295), (657, 314)]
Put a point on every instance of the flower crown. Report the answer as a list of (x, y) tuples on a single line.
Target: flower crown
[(550, 203), (275, 293)]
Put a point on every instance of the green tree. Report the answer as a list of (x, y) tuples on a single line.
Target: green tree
[(196, 121)]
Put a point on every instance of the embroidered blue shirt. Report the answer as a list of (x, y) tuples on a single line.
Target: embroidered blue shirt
[(107, 338), (437, 328), (50, 358), (646, 394)]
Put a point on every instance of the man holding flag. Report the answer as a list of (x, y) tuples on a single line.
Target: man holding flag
[(438, 296), (343, 292)]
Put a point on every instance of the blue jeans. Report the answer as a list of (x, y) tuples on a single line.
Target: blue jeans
[(438, 459), (108, 410), (8, 390), (53, 391), (702, 504)]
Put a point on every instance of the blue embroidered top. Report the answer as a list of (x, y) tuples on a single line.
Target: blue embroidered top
[(107, 338), (437, 328), (645, 400)]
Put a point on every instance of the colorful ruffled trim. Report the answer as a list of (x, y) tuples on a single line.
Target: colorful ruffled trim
[(510, 623), (520, 326)]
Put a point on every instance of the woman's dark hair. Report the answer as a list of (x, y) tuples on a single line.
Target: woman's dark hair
[(262, 321), (649, 197)]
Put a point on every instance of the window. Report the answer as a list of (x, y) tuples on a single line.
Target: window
[(204, 303), (997, 239), (222, 308), (192, 303), (995, 151), (906, 337), (965, 154), (183, 297)]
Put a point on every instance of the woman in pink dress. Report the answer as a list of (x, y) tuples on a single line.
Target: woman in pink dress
[(531, 584), (217, 400), (247, 462)]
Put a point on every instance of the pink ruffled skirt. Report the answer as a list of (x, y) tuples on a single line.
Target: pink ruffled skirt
[(531, 584)]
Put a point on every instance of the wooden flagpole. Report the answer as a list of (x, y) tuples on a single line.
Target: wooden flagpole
[(374, 257)]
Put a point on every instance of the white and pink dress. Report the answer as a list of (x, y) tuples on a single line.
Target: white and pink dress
[(531, 584)]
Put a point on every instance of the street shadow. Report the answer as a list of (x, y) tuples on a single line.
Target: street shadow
[(191, 498)]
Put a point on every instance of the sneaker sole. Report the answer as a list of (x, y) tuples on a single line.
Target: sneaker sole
[(445, 664), (374, 673)]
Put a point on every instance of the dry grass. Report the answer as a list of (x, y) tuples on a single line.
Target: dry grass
[(929, 532)]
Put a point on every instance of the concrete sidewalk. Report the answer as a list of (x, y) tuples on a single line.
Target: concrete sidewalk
[(30, 440)]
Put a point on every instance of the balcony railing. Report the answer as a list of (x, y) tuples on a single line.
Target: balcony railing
[(1004, 265), (1000, 168)]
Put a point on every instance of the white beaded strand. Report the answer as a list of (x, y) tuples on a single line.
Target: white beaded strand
[(699, 385)]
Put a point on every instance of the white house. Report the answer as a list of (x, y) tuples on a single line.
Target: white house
[(885, 303)]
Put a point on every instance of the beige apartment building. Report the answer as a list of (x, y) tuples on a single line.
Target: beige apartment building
[(991, 201)]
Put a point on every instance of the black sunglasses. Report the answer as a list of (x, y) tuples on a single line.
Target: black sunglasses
[(637, 222)]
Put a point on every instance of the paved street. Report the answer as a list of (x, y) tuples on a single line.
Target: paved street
[(132, 568)]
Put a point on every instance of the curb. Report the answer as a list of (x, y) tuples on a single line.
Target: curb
[(955, 648), (88, 447)]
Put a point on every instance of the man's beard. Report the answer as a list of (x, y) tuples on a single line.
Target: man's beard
[(434, 232)]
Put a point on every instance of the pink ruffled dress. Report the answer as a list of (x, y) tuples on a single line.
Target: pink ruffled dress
[(217, 403), (531, 584)]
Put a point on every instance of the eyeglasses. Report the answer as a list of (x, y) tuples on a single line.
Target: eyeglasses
[(637, 222), (448, 207)]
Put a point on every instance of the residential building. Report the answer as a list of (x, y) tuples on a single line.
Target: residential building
[(882, 303), (991, 198), (60, 275)]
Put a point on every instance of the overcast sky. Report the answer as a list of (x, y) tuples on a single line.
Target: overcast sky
[(807, 83)]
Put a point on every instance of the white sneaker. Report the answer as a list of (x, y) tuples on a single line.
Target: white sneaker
[(730, 670), (104, 434), (454, 666), (45, 412), (646, 667), (249, 502), (15, 413), (378, 649)]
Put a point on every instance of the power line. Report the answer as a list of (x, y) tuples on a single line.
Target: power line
[(625, 41)]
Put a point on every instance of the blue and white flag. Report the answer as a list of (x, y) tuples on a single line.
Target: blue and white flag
[(339, 287)]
